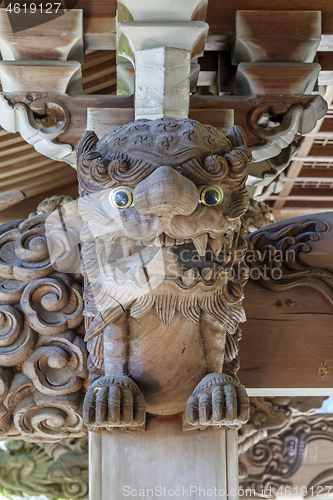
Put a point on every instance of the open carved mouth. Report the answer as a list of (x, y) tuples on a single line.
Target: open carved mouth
[(185, 261)]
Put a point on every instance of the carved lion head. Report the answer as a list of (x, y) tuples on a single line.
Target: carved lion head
[(161, 201)]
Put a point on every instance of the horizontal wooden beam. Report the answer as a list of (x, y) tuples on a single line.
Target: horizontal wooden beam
[(302, 198), (288, 391), (315, 178), (99, 21), (281, 348), (313, 158), (313, 173), (319, 150)]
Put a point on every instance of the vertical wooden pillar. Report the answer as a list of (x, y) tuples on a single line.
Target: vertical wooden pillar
[(164, 462)]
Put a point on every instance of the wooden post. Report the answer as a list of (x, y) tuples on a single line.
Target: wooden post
[(164, 461)]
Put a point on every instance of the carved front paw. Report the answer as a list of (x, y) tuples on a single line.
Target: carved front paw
[(114, 402), (219, 400)]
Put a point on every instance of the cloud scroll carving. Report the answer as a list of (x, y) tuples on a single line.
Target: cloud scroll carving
[(42, 353)]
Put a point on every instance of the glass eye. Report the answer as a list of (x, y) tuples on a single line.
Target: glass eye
[(211, 196), (121, 197)]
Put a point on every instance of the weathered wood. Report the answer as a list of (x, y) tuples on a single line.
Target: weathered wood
[(292, 260), (275, 78), (306, 469), (213, 457), (293, 37), (281, 344), (60, 39), (41, 76), (148, 293), (161, 52), (42, 354), (77, 107), (99, 21), (11, 198)]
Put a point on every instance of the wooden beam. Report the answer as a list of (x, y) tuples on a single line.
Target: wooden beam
[(321, 151), (280, 347), (28, 205), (314, 178), (315, 197), (297, 164), (99, 21)]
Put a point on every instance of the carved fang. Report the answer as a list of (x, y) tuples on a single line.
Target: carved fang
[(200, 243), (216, 245), (109, 248), (127, 246)]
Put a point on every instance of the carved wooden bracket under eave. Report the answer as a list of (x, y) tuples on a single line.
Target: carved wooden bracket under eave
[(19, 118)]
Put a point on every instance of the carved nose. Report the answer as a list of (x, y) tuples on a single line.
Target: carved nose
[(165, 193)]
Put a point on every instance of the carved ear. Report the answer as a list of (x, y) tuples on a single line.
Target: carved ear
[(239, 203), (236, 136), (87, 143)]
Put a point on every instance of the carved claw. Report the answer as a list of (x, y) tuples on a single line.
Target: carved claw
[(114, 402), (219, 400)]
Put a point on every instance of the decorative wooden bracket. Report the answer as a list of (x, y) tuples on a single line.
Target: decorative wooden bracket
[(161, 48)]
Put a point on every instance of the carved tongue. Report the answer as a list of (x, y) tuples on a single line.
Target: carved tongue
[(200, 243), (164, 263)]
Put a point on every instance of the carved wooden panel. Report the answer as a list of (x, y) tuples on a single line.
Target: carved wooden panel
[(42, 353)]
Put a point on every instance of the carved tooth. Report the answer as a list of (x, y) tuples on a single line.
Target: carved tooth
[(109, 248), (141, 276), (127, 245), (180, 242), (120, 274), (169, 242), (207, 273), (159, 240), (189, 276), (216, 245), (227, 240), (200, 243), (99, 246)]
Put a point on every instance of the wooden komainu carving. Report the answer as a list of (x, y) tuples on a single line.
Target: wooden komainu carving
[(163, 249)]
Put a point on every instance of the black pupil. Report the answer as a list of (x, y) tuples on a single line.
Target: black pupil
[(212, 197), (121, 199)]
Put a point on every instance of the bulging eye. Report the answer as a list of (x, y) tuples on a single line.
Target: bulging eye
[(210, 196), (121, 197)]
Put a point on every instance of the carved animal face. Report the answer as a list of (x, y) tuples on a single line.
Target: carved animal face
[(162, 202)]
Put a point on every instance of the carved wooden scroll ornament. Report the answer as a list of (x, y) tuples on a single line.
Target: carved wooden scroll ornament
[(58, 470), (163, 249), (280, 255), (42, 352)]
